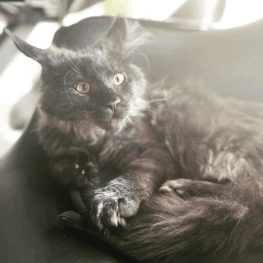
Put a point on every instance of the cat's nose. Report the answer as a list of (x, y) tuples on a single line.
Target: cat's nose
[(113, 105)]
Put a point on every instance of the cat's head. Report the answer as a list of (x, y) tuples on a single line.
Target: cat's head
[(99, 84)]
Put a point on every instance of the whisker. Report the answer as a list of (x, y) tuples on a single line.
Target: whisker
[(75, 67), (66, 88), (160, 100), (89, 112), (129, 119), (146, 59)]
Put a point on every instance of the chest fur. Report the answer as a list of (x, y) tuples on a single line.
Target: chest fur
[(57, 136)]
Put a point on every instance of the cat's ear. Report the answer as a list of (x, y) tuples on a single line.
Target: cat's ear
[(118, 32), (39, 55), (136, 37)]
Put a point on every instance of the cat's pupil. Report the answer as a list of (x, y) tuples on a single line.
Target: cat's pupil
[(119, 79), (82, 87)]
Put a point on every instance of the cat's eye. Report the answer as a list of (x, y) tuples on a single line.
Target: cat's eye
[(82, 87), (119, 79)]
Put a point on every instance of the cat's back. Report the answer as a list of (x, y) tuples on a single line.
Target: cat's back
[(192, 106)]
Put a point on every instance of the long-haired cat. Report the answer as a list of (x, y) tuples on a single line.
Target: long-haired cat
[(179, 169)]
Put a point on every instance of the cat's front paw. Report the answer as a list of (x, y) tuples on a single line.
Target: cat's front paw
[(186, 188), (85, 174), (112, 205)]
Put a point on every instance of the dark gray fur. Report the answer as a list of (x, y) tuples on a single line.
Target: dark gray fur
[(163, 132)]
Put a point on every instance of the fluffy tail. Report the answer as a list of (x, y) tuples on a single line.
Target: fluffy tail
[(201, 229)]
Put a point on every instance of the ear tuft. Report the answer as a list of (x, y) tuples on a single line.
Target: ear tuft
[(137, 37), (40, 55)]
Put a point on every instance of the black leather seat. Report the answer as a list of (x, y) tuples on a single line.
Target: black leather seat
[(230, 61)]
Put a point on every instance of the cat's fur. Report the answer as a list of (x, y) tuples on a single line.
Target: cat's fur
[(159, 133)]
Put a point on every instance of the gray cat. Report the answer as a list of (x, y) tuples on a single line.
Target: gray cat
[(183, 166)]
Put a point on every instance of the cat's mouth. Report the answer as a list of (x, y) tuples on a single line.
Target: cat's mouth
[(111, 123), (115, 124)]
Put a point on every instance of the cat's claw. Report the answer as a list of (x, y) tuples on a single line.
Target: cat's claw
[(178, 187), (107, 215), (111, 208), (84, 173)]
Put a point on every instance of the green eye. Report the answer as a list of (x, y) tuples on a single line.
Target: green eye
[(119, 79)]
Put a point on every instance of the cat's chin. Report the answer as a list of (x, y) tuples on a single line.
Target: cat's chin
[(114, 125)]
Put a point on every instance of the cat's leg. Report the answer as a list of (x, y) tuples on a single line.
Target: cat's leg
[(74, 169), (222, 159), (70, 162), (120, 198), (168, 227), (227, 152), (186, 188)]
